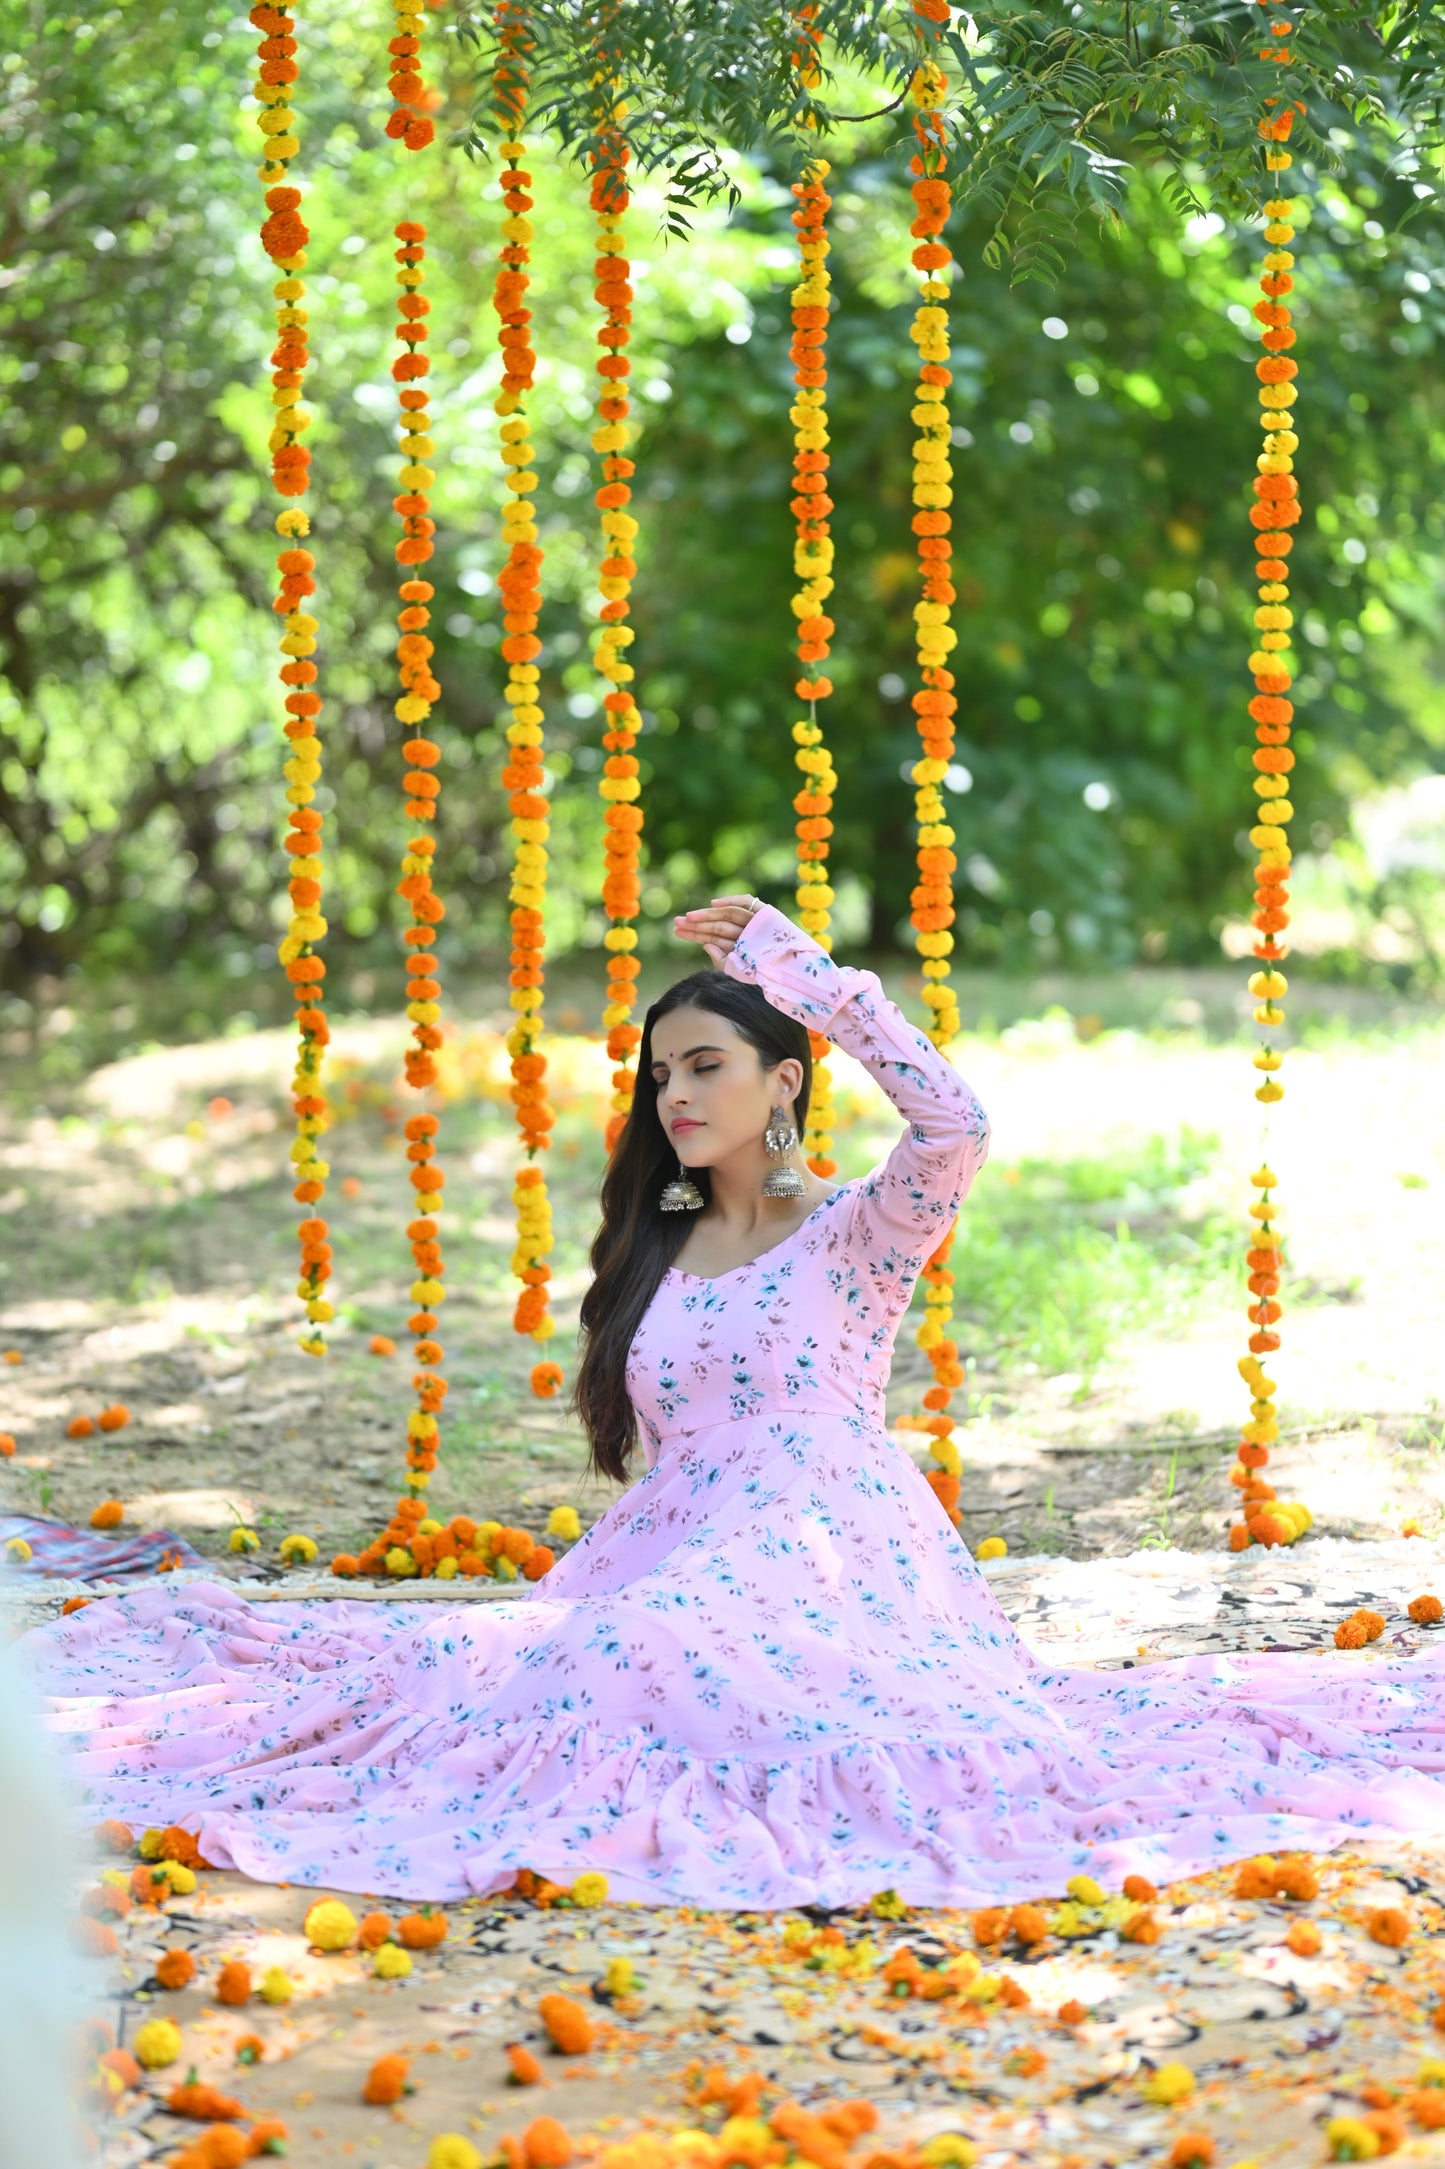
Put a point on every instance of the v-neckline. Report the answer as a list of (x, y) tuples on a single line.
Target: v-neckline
[(708, 1280)]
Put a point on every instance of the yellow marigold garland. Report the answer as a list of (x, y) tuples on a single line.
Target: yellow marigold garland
[(524, 775), (932, 911), (618, 786), (1268, 1520), (284, 237), (813, 565)]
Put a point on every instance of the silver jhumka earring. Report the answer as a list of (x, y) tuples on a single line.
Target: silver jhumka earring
[(779, 1139), (682, 1194)]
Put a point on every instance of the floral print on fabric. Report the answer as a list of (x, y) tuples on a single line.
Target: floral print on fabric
[(771, 1674)]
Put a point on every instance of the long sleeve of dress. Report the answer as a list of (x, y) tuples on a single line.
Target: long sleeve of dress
[(903, 1208)]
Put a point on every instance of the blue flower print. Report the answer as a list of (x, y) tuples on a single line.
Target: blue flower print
[(802, 1372)]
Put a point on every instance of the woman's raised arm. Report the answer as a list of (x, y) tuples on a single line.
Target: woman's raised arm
[(904, 1208)]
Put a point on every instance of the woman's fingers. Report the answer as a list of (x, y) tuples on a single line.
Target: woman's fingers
[(730, 912), (716, 926)]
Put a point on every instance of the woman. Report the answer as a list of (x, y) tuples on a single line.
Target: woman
[(770, 1675)]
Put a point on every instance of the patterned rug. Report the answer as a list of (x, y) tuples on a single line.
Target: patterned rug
[(83, 1559)]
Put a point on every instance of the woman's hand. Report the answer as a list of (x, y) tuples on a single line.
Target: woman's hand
[(718, 924)]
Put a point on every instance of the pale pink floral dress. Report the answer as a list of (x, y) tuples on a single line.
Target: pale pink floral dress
[(771, 1674)]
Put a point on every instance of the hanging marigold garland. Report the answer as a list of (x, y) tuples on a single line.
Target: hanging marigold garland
[(932, 911), (524, 775), (418, 690), (813, 566), (618, 786), (284, 237), (410, 120), (1268, 1520), (414, 1544)]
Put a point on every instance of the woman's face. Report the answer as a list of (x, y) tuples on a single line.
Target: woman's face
[(713, 1094)]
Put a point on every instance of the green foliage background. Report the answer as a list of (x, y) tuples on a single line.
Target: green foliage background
[(1105, 439)]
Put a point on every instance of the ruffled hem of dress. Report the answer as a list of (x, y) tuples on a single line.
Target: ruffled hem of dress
[(422, 1809)]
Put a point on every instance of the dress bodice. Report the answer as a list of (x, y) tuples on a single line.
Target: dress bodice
[(809, 1326)]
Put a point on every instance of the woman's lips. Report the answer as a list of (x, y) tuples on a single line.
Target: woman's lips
[(685, 1124)]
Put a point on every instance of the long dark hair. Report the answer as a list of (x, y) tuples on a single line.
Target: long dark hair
[(637, 1241)]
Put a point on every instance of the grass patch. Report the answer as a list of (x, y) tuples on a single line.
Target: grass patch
[(1056, 1259)]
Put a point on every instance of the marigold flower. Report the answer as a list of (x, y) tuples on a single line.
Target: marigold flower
[(1141, 1927), (386, 2081), (1298, 1879), (571, 2030), (275, 1986), (525, 2069), (148, 1885), (1388, 1925), (94, 1938), (106, 1899), (203, 2104), (391, 1963), (375, 1929), (422, 1931), (1192, 2150), (120, 2068), (546, 2144), (1168, 2085), (590, 1889), (1029, 1923), (233, 1983), (175, 1969), (1426, 1611), (452, 2151), (330, 1925), (1304, 1939), (1256, 1878), (156, 2044)]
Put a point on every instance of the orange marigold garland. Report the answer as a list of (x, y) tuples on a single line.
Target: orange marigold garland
[(813, 565), (618, 785), (932, 911), (284, 236), (524, 776), (1268, 1520), (410, 121), (418, 690)]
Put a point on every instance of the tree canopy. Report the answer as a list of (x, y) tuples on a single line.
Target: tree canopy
[(1104, 438)]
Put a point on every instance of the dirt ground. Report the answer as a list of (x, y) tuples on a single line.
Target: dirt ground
[(1276, 2042)]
